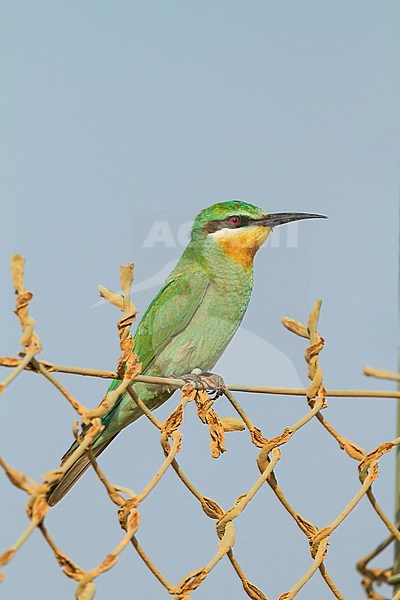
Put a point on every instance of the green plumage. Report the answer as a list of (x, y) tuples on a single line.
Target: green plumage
[(188, 324)]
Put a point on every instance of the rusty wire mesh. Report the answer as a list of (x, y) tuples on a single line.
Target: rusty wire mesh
[(128, 503)]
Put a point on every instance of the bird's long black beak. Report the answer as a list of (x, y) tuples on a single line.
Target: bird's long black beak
[(275, 219)]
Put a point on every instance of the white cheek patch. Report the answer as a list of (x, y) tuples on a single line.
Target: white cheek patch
[(240, 233), (228, 233)]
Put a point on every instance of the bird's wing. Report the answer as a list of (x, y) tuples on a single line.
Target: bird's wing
[(170, 312)]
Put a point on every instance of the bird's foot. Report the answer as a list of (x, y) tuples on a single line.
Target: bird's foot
[(212, 383)]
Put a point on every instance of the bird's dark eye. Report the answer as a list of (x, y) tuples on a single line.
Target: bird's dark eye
[(234, 221)]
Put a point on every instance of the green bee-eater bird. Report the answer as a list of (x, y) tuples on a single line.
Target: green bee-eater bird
[(194, 316)]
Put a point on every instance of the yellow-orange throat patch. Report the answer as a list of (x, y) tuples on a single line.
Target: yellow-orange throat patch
[(242, 244)]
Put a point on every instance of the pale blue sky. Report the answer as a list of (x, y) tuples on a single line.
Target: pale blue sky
[(117, 116)]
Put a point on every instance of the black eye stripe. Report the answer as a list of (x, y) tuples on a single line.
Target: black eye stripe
[(213, 226)]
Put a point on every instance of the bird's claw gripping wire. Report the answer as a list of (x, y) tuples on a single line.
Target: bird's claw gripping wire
[(212, 383)]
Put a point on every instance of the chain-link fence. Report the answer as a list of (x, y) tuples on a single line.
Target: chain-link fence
[(128, 503)]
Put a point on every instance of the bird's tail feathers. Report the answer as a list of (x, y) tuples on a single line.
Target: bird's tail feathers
[(74, 472)]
